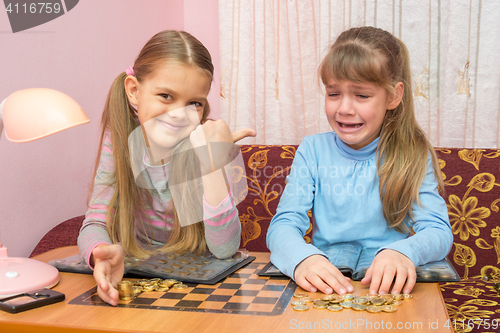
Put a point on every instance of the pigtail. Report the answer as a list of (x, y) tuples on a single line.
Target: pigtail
[(119, 120)]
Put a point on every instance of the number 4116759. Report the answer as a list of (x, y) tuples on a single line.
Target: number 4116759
[(34, 8), (486, 323)]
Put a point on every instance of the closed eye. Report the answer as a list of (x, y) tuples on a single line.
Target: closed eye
[(363, 96)]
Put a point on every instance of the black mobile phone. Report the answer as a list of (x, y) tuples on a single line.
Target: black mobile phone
[(31, 300)]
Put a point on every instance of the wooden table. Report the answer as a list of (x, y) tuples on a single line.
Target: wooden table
[(426, 312)]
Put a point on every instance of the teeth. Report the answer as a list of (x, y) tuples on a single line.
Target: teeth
[(348, 125)]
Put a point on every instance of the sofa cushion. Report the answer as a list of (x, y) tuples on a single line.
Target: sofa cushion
[(472, 194), (472, 304), (266, 170)]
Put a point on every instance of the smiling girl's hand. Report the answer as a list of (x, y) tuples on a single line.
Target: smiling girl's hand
[(108, 271), (213, 142)]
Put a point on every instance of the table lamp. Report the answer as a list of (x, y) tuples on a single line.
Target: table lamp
[(28, 115)]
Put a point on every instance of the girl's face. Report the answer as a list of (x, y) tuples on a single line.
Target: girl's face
[(170, 103), (356, 111)]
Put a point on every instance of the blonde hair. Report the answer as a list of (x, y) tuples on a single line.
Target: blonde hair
[(368, 54), (129, 202)]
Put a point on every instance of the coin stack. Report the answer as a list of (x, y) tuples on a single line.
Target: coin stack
[(127, 290), (371, 302)]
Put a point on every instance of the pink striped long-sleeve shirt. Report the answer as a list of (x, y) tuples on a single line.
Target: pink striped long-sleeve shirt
[(222, 225)]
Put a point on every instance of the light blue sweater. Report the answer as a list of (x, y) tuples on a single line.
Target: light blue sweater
[(341, 185)]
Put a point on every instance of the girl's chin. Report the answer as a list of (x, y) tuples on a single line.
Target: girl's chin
[(165, 141)]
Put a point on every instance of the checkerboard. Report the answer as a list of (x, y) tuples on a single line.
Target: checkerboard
[(243, 292)]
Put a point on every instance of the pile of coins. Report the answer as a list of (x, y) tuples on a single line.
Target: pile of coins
[(127, 290), (371, 302)]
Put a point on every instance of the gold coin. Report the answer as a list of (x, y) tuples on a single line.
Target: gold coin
[(360, 300), (142, 282), (373, 308), (170, 282), (137, 290), (162, 289), (336, 300), (125, 291), (125, 298), (180, 286), (348, 296), (399, 297), (301, 308), (299, 295), (299, 302), (306, 299), (359, 307), (346, 304), (124, 285), (388, 308), (334, 308), (327, 297), (319, 306), (378, 301), (372, 295), (406, 296), (149, 287), (397, 303), (320, 302), (388, 297)]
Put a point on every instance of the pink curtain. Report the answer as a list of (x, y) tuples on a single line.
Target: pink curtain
[(270, 52)]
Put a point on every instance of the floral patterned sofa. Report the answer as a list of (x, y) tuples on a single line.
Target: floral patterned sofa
[(472, 193)]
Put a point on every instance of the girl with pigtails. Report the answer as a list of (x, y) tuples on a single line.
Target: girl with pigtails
[(161, 99)]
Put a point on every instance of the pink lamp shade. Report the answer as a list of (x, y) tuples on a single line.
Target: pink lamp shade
[(28, 115), (31, 114)]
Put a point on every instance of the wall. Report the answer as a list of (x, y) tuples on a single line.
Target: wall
[(201, 19), (45, 182)]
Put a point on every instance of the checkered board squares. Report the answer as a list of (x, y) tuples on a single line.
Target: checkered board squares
[(243, 292)]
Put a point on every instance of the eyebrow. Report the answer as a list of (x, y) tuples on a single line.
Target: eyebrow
[(355, 86)]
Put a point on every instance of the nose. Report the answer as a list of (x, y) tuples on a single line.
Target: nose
[(345, 107), (179, 112)]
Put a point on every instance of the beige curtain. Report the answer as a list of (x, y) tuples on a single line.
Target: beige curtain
[(271, 49)]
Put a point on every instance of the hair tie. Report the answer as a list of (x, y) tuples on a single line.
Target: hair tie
[(130, 71)]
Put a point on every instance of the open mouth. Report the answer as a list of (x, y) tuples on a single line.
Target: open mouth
[(344, 125)]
